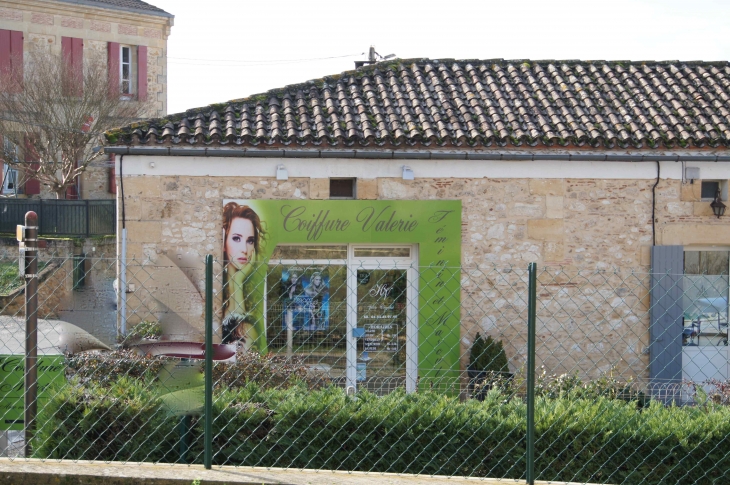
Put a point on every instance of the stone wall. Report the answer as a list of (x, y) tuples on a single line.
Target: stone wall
[(91, 305), (55, 288), (96, 182), (592, 239), (45, 22)]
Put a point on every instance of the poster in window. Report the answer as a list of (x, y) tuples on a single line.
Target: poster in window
[(306, 295)]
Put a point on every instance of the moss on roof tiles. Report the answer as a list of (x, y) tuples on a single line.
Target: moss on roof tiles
[(504, 94)]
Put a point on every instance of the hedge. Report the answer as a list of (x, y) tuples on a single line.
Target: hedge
[(584, 440)]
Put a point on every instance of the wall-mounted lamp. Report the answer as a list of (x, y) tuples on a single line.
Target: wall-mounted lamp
[(281, 173), (407, 173), (718, 208)]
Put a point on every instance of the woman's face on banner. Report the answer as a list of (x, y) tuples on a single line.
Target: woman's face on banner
[(240, 242)]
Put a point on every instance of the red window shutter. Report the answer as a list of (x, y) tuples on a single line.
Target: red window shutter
[(142, 72), (112, 175), (66, 49), (77, 51), (16, 57), (4, 50), (72, 50), (11, 59), (67, 60), (32, 186), (112, 49), (72, 193)]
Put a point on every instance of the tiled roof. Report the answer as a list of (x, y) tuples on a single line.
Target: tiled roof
[(470, 103), (129, 5)]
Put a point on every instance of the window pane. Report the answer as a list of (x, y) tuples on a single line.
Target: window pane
[(306, 313), (692, 262), (714, 262), (343, 188), (382, 311), (125, 55), (383, 252), (709, 189), (310, 252), (705, 298), (706, 262)]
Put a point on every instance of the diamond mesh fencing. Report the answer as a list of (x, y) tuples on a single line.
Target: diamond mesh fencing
[(335, 364)]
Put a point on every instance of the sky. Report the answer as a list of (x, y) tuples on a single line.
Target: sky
[(227, 49)]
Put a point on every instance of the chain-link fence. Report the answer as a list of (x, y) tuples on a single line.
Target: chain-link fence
[(335, 364)]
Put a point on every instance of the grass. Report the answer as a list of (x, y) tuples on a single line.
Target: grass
[(10, 279)]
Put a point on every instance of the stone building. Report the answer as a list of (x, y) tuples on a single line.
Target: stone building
[(597, 168), (132, 32)]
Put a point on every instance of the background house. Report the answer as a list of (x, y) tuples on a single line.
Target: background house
[(580, 166), (129, 33)]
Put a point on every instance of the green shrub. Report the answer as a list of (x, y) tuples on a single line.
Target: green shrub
[(103, 367), (146, 329), (488, 355), (268, 371), (571, 386), (600, 440)]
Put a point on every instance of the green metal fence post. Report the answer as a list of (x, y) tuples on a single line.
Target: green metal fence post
[(531, 304), (184, 443), (208, 445)]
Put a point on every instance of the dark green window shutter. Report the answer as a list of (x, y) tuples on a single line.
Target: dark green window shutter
[(665, 332)]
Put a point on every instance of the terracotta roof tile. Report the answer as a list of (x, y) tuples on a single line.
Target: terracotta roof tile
[(448, 103)]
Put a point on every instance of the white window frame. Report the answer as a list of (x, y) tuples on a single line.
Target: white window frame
[(10, 173), (131, 64)]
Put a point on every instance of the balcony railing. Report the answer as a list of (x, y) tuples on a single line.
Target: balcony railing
[(80, 218)]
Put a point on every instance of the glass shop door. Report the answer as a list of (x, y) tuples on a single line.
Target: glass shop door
[(382, 345)]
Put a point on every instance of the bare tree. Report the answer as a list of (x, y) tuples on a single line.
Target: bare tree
[(57, 115)]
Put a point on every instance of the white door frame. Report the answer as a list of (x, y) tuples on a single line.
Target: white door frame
[(410, 264)]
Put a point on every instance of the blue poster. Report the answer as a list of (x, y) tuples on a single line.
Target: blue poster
[(305, 294)]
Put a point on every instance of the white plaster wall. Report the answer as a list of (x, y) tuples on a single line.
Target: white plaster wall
[(369, 169)]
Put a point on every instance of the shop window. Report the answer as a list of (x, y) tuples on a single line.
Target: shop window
[(382, 252), (352, 318), (309, 252), (342, 188)]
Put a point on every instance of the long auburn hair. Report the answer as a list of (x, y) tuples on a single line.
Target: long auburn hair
[(233, 210)]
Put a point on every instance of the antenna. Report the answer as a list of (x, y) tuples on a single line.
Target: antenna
[(373, 57)]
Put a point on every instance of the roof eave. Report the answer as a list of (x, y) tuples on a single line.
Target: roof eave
[(90, 3)]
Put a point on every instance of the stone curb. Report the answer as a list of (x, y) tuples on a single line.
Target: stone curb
[(39, 472)]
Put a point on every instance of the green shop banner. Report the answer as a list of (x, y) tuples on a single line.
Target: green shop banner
[(254, 228), (12, 386)]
